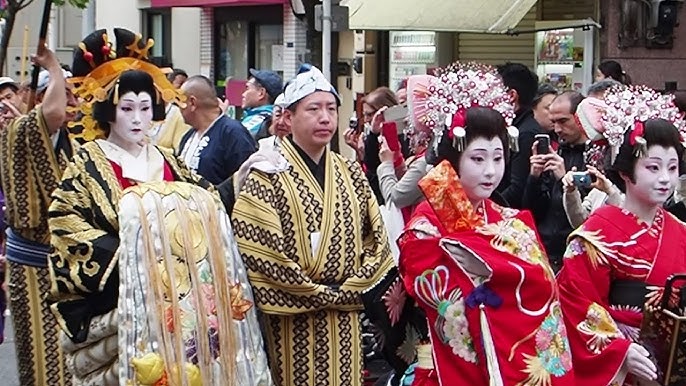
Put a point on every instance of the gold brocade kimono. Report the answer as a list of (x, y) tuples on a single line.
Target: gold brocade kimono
[(31, 167), (310, 253), (84, 226)]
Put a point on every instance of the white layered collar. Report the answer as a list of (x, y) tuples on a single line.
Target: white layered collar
[(148, 166)]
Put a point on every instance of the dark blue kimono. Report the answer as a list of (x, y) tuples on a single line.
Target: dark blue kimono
[(222, 150)]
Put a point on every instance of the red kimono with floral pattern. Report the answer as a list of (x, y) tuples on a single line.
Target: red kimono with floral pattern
[(614, 245), (490, 296)]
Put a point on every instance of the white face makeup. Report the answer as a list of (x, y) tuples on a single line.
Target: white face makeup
[(132, 120), (482, 165), (655, 175)]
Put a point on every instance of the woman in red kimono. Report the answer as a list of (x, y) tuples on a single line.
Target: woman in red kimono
[(617, 262), (478, 270)]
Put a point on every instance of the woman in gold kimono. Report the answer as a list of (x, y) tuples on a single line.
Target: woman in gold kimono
[(113, 265)]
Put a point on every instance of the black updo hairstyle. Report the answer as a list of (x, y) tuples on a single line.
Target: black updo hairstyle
[(480, 122), (135, 81), (612, 69), (656, 132)]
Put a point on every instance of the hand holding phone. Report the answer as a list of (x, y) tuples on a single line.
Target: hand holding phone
[(395, 113), (583, 179), (543, 143), (389, 130)]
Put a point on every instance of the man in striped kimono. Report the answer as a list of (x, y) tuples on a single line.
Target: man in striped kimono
[(34, 151), (309, 230)]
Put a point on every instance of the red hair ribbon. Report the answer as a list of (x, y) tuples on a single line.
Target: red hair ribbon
[(639, 129), (459, 120)]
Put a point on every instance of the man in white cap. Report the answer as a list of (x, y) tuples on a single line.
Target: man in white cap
[(9, 94), (313, 241), (278, 129), (34, 151)]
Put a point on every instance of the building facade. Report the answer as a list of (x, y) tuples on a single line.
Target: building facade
[(653, 67), (64, 33)]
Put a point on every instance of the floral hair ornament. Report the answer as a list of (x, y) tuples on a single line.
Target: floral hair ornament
[(629, 107), (417, 130), (459, 87)]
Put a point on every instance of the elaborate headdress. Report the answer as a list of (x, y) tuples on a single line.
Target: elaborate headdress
[(628, 108), (418, 133), (97, 68), (454, 90), (589, 116)]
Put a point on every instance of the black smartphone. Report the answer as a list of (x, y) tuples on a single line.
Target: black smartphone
[(543, 146)]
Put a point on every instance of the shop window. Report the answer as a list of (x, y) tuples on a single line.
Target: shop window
[(269, 47), (157, 26), (69, 26), (232, 47), (246, 37)]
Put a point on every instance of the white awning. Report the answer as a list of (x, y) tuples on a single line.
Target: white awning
[(489, 16)]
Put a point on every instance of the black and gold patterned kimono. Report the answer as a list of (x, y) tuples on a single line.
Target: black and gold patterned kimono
[(31, 167), (84, 226), (312, 246)]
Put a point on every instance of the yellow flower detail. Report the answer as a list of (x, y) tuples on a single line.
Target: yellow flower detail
[(149, 368)]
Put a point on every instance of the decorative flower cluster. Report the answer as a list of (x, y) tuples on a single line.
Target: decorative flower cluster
[(456, 329), (628, 105), (460, 86)]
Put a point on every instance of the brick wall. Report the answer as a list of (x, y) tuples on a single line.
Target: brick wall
[(294, 41), (206, 42), (652, 67)]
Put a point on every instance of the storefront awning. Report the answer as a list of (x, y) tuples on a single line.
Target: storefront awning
[(210, 3), (489, 16)]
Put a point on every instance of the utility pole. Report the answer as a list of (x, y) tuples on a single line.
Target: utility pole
[(326, 38)]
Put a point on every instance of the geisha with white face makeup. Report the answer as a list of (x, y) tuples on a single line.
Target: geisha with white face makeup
[(132, 121), (124, 191)]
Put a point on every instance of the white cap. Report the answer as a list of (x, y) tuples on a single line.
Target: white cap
[(44, 79), (306, 83), (280, 101), (5, 80)]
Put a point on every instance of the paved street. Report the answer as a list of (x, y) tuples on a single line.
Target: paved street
[(8, 363)]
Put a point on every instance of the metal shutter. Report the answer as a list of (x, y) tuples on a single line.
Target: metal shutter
[(498, 49), (568, 9)]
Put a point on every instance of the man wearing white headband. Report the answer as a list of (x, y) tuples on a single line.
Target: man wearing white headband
[(277, 128), (34, 151), (313, 241)]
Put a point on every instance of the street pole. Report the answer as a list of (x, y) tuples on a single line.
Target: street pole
[(326, 38), (42, 34)]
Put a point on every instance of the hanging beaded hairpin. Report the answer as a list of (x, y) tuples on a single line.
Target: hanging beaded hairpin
[(457, 88), (629, 107)]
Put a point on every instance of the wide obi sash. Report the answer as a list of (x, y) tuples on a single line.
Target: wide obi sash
[(26, 252), (631, 293)]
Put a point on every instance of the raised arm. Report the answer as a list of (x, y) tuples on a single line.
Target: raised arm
[(54, 102)]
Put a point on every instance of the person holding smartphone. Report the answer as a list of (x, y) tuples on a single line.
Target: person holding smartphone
[(543, 193)]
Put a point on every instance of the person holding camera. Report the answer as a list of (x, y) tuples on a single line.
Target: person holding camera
[(603, 191), (617, 263), (398, 177), (598, 157), (543, 193)]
